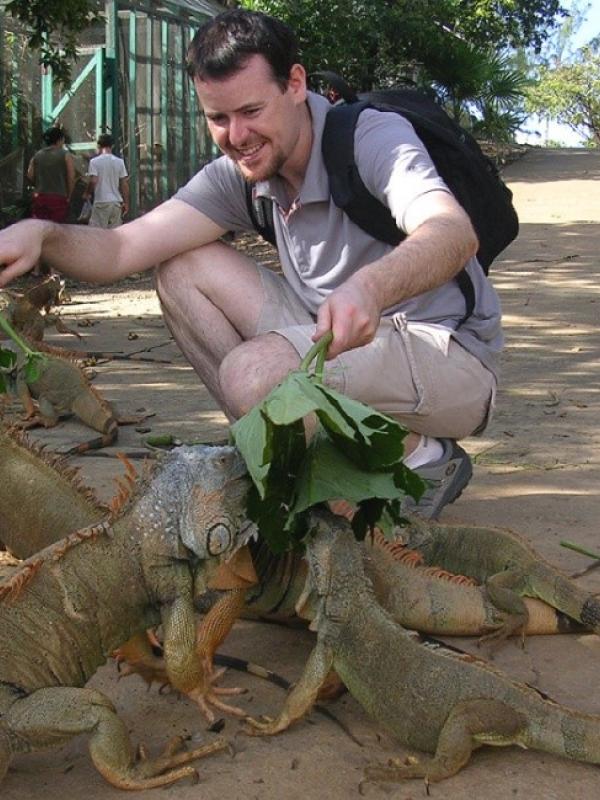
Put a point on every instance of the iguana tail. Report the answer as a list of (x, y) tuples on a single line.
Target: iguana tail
[(92, 409), (553, 728)]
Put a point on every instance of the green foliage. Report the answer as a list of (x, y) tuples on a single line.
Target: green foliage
[(456, 46), (502, 23), (354, 455), (379, 43), (570, 93), (54, 27), (9, 360)]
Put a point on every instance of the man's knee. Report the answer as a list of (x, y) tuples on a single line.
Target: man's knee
[(175, 275), (249, 372)]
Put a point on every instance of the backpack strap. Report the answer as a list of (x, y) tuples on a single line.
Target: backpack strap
[(351, 195), (260, 210)]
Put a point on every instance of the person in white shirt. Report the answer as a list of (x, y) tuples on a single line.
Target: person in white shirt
[(109, 182)]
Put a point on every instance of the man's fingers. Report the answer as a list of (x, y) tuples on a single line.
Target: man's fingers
[(8, 272)]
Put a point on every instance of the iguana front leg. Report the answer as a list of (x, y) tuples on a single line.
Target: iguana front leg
[(303, 695), (187, 672), (504, 590), (45, 414)]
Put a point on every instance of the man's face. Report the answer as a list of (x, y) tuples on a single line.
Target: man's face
[(252, 120)]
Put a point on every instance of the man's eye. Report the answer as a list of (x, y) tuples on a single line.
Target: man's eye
[(251, 112)]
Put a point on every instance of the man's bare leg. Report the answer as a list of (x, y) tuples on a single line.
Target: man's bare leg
[(212, 299)]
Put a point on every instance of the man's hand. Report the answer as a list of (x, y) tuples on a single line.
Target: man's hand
[(351, 313), (20, 248)]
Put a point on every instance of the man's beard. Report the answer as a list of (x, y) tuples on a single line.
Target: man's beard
[(271, 170)]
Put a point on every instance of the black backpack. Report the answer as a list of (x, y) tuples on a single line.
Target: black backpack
[(469, 174)]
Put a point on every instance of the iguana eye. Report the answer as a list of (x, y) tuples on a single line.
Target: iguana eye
[(219, 539)]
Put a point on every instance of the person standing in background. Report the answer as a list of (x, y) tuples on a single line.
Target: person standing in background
[(109, 182), (51, 172)]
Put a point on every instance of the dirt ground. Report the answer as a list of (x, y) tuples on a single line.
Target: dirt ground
[(537, 471)]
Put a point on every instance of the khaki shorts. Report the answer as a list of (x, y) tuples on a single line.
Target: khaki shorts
[(105, 215), (414, 372)]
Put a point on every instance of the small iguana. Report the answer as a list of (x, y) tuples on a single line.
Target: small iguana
[(434, 700), (29, 312), (61, 387), (69, 606)]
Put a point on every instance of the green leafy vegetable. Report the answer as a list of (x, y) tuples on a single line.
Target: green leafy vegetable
[(9, 359), (355, 455)]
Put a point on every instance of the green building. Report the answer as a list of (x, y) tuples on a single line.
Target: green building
[(129, 80)]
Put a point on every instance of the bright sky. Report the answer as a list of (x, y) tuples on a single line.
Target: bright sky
[(539, 131)]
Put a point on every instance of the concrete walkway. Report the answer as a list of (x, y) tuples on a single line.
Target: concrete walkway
[(537, 471)]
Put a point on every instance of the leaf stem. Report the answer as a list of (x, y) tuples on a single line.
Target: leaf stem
[(319, 351), (578, 549), (10, 331)]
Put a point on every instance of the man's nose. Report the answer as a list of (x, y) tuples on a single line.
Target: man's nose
[(238, 131)]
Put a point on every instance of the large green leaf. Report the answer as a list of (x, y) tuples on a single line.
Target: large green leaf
[(356, 455), (327, 474)]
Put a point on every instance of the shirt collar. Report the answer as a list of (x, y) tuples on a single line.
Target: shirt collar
[(315, 187)]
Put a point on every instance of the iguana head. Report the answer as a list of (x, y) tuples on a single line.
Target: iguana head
[(214, 522), (335, 563)]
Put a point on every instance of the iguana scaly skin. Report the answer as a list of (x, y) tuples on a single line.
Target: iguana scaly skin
[(41, 498), (431, 699), (429, 600), (508, 567), (69, 606), (29, 312), (61, 387), (40, 503)]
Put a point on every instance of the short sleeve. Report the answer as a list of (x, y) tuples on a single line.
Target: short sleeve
[(393, 162), (218, 192)]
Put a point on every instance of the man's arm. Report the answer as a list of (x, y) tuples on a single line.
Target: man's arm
[(441, 240), (100, 255), (92, 182), (124, 189), (71, 174)]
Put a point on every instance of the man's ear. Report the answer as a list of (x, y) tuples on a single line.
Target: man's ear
[(297, 82)]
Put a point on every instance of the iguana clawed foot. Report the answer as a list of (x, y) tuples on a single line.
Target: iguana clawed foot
[(397, 770), (142, 655), (267, 726), (208, 694), (167, 768)]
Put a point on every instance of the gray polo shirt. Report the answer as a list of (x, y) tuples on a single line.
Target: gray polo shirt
[(320, 247)]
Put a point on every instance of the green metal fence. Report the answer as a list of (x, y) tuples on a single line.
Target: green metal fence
[(129, 81)]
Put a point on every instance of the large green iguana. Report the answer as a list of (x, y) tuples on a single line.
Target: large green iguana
[(434, 700), (69, 606), (41, 498), (508, 567), (41, 501)]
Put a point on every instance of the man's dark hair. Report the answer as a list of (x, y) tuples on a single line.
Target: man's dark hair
[(223, 45), (105, 140), (53, 135)]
